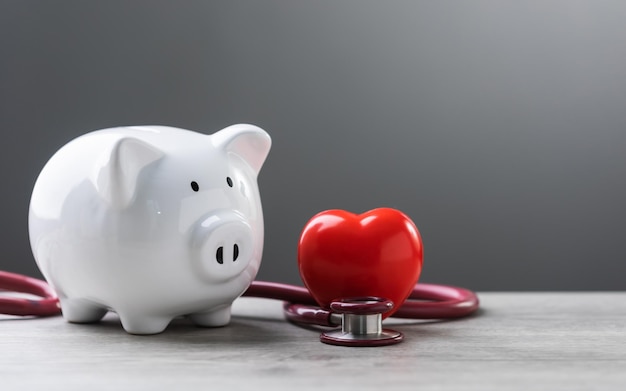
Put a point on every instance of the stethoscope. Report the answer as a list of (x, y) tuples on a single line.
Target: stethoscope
[(360, 318)]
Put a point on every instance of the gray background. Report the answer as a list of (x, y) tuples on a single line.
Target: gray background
[(498, 126)]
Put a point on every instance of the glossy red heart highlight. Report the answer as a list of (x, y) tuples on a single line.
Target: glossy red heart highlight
[(344, 255)]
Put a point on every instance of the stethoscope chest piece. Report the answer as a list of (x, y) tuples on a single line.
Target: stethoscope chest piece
[(361, 323)]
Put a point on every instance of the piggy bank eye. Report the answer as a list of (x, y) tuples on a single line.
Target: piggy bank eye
[(229, 181), (194, 186)]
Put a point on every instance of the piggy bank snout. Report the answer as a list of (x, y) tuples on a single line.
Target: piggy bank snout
[(223, 246)]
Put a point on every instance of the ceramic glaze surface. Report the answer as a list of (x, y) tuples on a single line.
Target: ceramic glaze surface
[(151, 222)]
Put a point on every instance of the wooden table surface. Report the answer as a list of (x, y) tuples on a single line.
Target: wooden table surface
[(518, 341)]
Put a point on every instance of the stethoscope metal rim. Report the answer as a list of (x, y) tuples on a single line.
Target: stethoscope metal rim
[(340, 338)]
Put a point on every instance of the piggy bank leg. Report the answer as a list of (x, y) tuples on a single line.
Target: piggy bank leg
[(214, 318), (135, 322), (81, 311)]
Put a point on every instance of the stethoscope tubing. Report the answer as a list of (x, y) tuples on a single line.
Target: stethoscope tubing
[(48, 305), (426, 301)]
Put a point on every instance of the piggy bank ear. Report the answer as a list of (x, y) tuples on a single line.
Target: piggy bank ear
[(247, 141), (116, 176)]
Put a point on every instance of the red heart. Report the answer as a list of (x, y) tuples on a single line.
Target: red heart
[(344, 255)]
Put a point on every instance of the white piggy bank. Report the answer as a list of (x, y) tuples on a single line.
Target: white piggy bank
[(151, 222)]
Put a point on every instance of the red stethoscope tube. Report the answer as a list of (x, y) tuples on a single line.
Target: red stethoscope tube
[(427, 301), (48, 305)]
